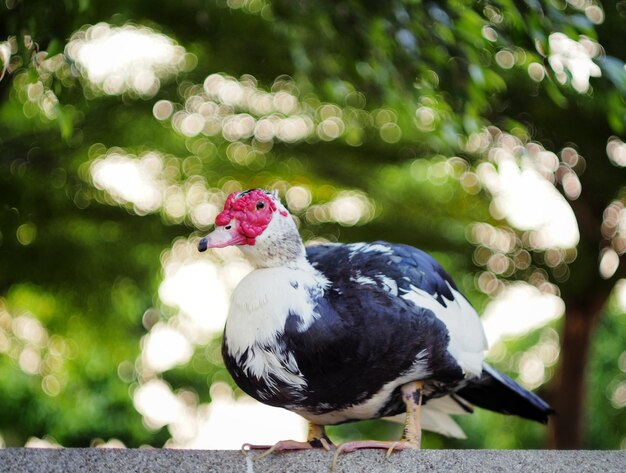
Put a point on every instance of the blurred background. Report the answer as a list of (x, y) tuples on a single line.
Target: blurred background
[(489, 133)]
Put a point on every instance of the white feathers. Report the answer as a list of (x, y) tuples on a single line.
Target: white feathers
[(467, 337), (265, 361), (263, 300), (260, 306), (279, 245), (369, 248), (390, 285), (364, 280), (385, 282)]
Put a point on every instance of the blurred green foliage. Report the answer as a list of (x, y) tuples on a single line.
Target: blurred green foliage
[(392, 94)]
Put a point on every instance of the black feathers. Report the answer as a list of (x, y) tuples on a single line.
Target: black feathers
[(497, 392)]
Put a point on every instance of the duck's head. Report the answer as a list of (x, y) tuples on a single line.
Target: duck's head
[(257, 222)]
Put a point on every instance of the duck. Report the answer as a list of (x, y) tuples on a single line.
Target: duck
[(341, 333)]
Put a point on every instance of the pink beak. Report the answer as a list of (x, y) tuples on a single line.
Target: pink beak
[(222, 237)]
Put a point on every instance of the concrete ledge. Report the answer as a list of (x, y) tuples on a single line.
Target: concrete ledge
[(448, 461)]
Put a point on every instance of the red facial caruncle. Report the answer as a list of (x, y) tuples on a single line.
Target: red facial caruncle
[(253, 211), (246, 215)]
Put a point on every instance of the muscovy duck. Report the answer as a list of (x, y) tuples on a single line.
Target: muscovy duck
[(340, 333)]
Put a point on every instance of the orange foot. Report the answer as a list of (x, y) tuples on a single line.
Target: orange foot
[(349, 447), (286, 445)]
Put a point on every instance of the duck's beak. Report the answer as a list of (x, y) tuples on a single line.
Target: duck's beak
[(221, 237)]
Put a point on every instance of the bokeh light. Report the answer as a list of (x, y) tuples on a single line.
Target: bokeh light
[(24, 339), (616, 151), (521, 178), (517, 310), (573, 59), (128, 179), (128, 58)]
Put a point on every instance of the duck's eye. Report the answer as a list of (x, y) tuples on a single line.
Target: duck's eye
[(260, 204)]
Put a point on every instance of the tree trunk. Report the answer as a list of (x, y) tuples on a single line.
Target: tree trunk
[(568, 392)]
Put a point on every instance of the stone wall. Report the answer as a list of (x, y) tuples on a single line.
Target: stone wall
[(203, 461)]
